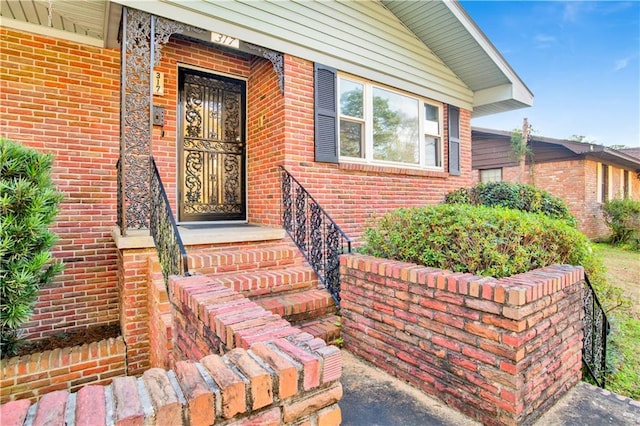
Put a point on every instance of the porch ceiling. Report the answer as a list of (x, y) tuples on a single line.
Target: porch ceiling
[(81, 20)]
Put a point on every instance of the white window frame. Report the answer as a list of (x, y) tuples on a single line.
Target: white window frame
[(368, 87)]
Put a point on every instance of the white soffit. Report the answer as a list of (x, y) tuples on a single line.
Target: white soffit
[(451, 34), (77, 20)]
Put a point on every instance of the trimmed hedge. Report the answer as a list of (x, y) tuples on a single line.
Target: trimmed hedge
[(514, 196), (487, 241)]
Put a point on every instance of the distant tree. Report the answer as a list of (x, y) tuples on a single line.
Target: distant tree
[(350, 135), (581, 138), (619, 146), (390, 129), (521, 149)]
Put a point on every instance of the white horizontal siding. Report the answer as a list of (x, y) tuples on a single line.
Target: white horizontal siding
[(357, 37)]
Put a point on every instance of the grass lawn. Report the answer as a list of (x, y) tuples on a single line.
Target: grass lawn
[(623, 270)]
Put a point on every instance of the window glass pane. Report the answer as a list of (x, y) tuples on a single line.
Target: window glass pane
[(395, 127), (351, 98), (430, 112), (491, 175), (432, 151), (351, 139), (432, 123)]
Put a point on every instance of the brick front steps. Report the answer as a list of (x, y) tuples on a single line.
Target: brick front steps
[(276, 277), (271, 372)]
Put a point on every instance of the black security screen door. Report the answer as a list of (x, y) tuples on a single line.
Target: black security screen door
[(211, 177)]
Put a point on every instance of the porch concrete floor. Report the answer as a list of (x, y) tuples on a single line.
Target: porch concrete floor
[(374, 398), (227, 233), (199, 234)]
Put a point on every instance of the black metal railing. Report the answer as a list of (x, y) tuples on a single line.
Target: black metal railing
[(318, 237), (171, 251), (119, 220), (596, 329)]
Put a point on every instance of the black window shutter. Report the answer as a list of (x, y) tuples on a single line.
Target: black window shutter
[(454, 140), (326, 114)]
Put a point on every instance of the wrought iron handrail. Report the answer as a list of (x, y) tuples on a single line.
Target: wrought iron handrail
[(119, 184), (171, 251), (318, 237), (596, 328)]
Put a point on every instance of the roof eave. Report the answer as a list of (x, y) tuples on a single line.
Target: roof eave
[(579, 149), (616, 158), (491, 100)]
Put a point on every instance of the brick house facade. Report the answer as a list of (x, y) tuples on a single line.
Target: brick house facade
[(65, 94), (584, 175)]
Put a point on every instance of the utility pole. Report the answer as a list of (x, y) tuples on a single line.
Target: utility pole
[(523, 148)]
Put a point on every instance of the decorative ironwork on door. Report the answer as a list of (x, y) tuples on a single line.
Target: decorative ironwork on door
[(212, 154)]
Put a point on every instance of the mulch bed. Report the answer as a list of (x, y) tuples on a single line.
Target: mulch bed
[(69, 339)]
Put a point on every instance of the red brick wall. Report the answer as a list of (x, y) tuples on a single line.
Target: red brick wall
[(500, 351), (266, 148), (32, 376), (61, 97)]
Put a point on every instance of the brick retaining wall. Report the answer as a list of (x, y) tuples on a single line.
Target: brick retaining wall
[(29, 377), (500, 351), (270, 374), (243, 388)]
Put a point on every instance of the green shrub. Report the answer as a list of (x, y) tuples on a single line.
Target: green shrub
[(514, 196), (623, 218), (496, 242), (28, 205)]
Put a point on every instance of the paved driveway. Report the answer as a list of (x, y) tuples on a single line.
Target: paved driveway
[(374, 398)]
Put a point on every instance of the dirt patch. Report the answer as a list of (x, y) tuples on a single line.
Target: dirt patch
[(69, 339)]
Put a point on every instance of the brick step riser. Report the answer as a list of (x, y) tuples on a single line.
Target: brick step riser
[(300, 306), (329, 336), (270, 282), (239, 266), (295, 318), (326, 328), (237, 259)]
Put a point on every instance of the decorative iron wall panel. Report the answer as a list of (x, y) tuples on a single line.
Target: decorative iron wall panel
[(142, 38), (135, 142)]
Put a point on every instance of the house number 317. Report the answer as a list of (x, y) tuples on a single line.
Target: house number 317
[(225, 39)]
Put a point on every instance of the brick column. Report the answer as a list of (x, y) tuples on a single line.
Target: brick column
[(134, 252)]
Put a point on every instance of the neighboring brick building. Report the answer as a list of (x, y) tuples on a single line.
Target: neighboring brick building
[(585, 175), (228, 110)]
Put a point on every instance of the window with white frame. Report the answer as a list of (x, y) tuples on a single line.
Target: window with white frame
[(381, 125)]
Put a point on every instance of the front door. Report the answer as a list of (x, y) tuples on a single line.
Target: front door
[(211, 168)]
